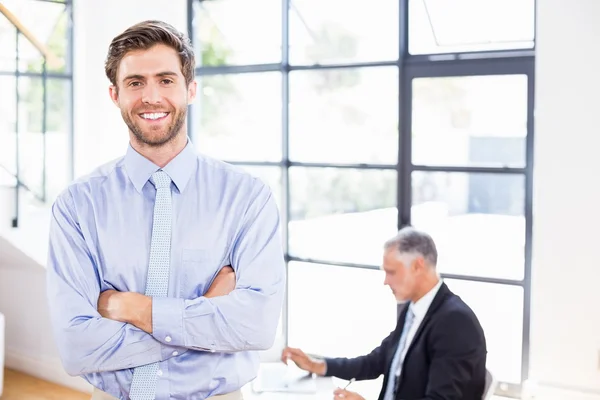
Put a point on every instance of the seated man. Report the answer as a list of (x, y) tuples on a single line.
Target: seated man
[(438, 349)]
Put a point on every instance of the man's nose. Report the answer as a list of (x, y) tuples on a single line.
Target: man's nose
[(151, 94)]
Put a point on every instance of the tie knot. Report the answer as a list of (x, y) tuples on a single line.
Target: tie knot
[(160, 179)]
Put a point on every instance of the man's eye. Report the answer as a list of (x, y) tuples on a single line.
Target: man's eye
[(167, 81), (135, 84)]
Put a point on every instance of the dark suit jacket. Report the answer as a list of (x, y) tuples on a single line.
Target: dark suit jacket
[(445, 361)]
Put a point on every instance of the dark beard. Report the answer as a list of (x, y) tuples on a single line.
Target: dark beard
[(172, 130)]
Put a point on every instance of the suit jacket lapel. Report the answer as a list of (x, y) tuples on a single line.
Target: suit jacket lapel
[(438, 300)]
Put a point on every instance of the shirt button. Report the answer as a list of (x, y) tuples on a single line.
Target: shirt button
[(175, 353), (168, 339), (159, 372)]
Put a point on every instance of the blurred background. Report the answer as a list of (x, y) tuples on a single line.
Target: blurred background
[(471, 119)]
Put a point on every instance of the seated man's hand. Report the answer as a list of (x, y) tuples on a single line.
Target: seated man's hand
[(303, 361), (346, 395), (223, 284)]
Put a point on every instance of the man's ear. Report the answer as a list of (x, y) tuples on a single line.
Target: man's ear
[(419, 264), (192, 88), (113, 91)]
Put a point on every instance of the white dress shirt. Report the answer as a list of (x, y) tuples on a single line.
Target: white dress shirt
[(419, 310)]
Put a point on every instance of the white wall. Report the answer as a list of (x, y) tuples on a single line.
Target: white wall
[(29, 342), (566, 274), (100, 133)]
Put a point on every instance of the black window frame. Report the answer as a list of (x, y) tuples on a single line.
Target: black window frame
[(504, 62)]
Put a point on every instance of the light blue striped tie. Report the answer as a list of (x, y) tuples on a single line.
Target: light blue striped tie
[(143, 385), (396, 362)]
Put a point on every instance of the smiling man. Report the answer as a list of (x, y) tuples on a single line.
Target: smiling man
[(165, 269)]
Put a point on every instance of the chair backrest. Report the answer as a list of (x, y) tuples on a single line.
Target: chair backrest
[(490, 386)]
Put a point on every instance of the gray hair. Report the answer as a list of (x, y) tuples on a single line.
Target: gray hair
[(412, 241)]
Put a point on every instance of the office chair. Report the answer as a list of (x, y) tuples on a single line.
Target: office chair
[(490, 386)]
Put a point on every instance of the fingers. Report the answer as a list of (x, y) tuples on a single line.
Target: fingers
[(346, 394), (290, 353), (285, 355), (293, 352)]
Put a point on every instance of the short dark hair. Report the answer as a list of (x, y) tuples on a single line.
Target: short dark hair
[(411, 240), (143, 36)]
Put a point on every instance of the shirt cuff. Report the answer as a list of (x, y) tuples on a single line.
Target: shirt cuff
[(167, 320)]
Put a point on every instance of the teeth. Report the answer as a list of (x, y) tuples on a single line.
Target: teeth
[(153, 115)]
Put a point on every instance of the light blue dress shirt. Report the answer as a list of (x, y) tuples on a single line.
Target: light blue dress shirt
[(100, 239)]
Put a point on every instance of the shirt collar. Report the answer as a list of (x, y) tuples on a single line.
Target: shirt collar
[(421, 307), (180, 169)]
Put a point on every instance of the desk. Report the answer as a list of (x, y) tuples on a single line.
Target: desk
[(325, 386)]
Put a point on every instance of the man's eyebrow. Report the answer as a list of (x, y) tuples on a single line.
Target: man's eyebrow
[(128, 77), (166, 73), (140, 77)]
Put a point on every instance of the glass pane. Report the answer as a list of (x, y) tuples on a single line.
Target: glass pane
[(30, 58), (499, 309), (316, 307), (476, 220), (442, 26), (227, 32), (8, 120), (343, 215), (339, 31), (344, 116), (48, 23), (31, 137), (7, 183), (315, 301), (58, 157), (239, 116), (470, 121), (270, 176), (8, 45)]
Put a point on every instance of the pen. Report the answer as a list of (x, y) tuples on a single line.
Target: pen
[(349, 383)]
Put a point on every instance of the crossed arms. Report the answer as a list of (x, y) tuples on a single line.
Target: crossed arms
[(107, 331), (136, 309)]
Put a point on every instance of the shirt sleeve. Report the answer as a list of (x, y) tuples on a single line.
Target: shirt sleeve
[(247, 318), (86, 341)]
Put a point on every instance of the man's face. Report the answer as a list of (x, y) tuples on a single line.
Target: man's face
[(152, 94), (401, 274)]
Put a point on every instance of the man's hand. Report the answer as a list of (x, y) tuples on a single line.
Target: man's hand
[(136, 309), (303, 361), (223, 284), (130, 307), (346, 395)]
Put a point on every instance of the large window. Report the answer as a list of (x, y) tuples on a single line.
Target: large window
[(367, 117), (36, 96)]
